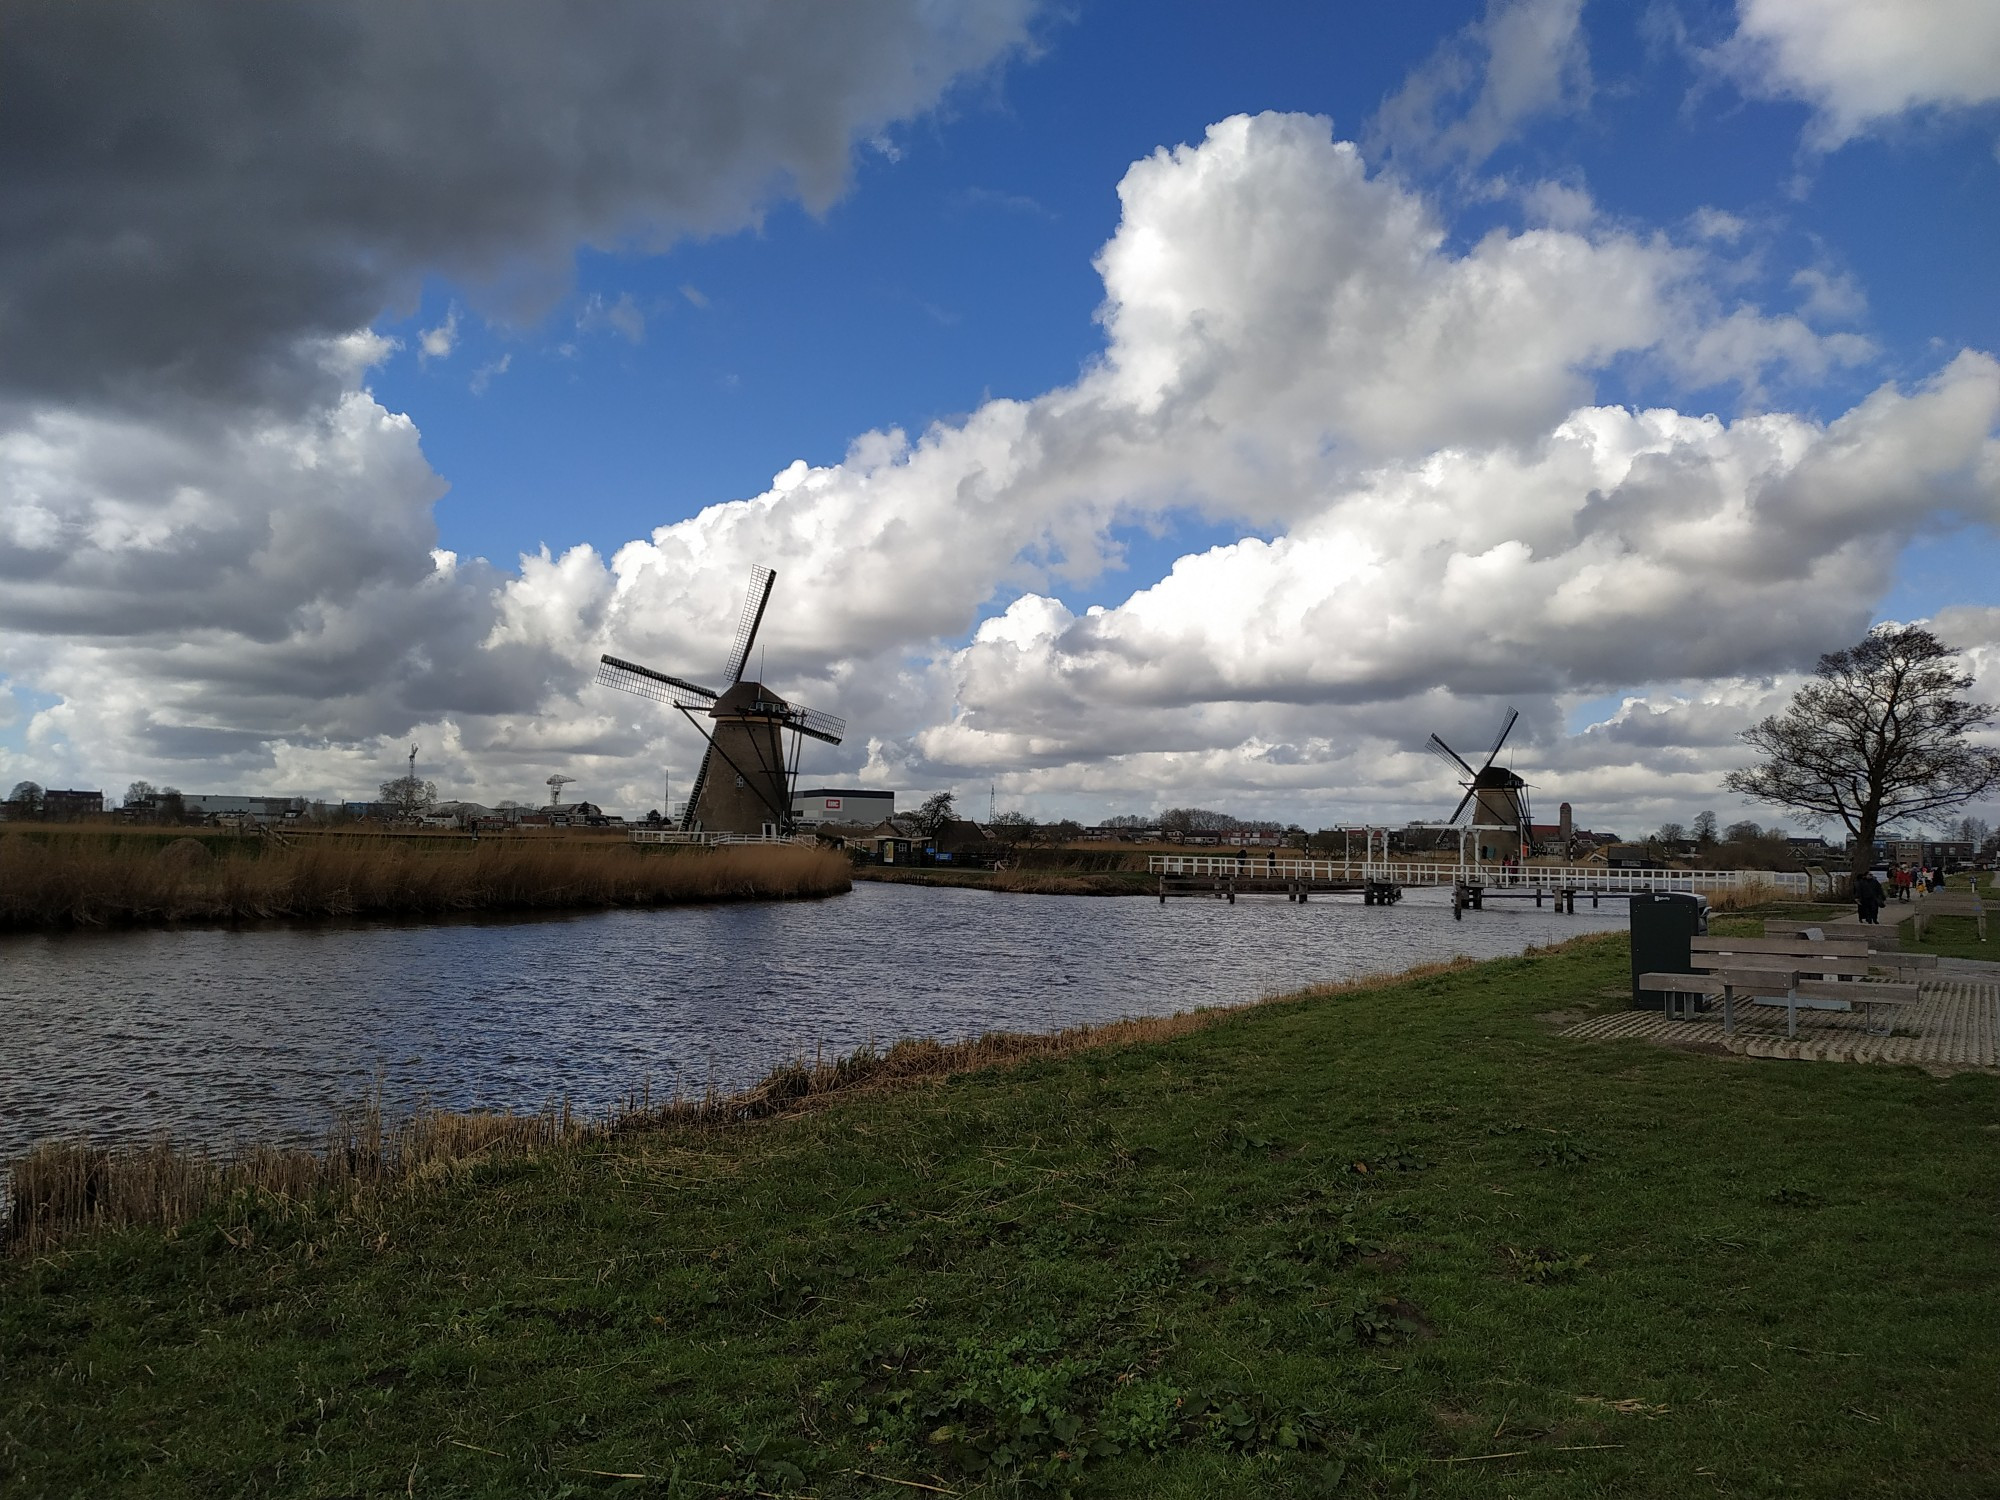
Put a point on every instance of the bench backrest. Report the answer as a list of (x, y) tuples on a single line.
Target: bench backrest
[(1803, 947), (1842, 929)]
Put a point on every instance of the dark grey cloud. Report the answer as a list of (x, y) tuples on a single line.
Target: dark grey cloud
[(189, 191)]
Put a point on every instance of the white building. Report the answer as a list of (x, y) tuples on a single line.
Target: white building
[(834, 804)]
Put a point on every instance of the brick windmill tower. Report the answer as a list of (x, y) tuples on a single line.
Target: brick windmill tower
[(749, 770)]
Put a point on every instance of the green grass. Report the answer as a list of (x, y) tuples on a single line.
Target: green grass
[(1390, 1241)]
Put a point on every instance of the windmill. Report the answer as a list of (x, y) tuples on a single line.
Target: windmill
[(750, 791), (555, 784), (1498, 797)]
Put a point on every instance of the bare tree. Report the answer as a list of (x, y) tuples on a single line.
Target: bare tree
[(1704, 828), (1181, 821), (1012, 828), (27, 795), (409, 797), (1879, 734), (140, 793), (936, 811)]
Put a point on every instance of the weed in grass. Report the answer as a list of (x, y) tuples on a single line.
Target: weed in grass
[(768, 1464), (1387, 1320), (1395, 1159), (1545, 1267), (1564, 1150)]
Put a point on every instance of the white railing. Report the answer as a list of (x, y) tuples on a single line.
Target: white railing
[(712, 840), (1431, 872)]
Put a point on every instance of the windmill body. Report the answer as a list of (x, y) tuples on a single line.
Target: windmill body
[(746, 785), (745, 782)]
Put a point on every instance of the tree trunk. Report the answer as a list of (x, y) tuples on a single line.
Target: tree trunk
[(1862, 857)]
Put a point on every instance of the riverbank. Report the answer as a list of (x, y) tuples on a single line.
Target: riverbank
[(1052, 882), (86, 880), (1397, 1236)]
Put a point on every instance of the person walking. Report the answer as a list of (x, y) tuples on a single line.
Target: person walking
[(1868, 897)]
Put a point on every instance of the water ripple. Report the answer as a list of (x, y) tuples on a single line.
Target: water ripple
[(231, 1034)]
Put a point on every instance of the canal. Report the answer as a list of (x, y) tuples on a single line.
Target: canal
[(219, 1034)]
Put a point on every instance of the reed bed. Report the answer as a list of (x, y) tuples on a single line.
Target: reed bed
[(79, 881), (1756, 894), (61, 1189)]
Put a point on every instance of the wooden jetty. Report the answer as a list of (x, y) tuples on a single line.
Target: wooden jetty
[(1292, 887)]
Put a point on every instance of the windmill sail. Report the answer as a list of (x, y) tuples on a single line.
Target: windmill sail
[(1506, 728), (761, 579), (820, 726), (630, 677)]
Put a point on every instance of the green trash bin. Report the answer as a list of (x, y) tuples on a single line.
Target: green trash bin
[(1664, 925)]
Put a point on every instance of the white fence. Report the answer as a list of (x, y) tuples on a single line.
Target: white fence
[(713, 840), (1430, 872)]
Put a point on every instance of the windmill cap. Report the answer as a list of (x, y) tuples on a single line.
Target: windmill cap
[(747, 700)]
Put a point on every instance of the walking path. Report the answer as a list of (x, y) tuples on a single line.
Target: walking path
[(1954, 1025)]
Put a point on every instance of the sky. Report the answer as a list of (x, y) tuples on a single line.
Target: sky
[(1141, 405)]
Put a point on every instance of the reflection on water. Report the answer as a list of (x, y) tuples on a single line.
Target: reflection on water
[(218, 1034)]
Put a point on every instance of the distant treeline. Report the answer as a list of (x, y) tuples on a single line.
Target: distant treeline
[(81, 881)]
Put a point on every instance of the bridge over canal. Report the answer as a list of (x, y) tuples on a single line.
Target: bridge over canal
[(1382, 881)]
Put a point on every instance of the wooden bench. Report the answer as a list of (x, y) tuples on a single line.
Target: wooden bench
[(1949, 904), (1797, 973)]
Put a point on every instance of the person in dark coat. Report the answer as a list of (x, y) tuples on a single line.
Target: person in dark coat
[(1868, 896)]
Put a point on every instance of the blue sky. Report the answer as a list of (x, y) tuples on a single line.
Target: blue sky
[(1640, 355), (958, 265)]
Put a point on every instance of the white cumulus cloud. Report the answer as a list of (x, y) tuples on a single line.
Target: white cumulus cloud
[(1861, 62), (1448, 518)]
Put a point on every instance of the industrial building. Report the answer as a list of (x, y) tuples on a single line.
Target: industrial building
[(833, 804)]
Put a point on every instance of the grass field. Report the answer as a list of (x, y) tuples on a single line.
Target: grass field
[(1398, 1239)]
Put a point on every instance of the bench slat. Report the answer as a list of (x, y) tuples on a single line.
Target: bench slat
[(1746, 980), (1879, 992), (1682, 984), (1793, 962)]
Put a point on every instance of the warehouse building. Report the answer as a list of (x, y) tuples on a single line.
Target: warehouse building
[(834, 804)]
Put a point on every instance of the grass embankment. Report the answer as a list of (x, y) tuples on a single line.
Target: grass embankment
[(85, 881), (1032, 882), (1952, 937), (1399, 1238)]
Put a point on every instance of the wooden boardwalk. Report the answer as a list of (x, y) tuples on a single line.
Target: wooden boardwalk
[(1954, 1026)]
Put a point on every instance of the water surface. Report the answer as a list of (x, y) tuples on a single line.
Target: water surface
[(216, 1034)]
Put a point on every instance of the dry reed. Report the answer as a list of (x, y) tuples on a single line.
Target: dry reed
[(1754, 894), (78, 881), (61, 1189)]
